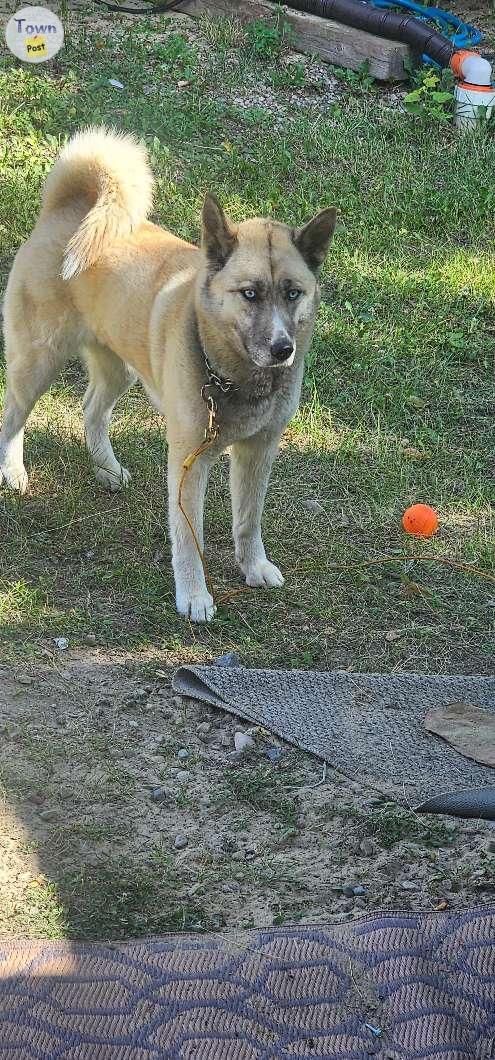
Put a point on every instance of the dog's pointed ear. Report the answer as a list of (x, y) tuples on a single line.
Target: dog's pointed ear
[(313, 239), (219, 234)]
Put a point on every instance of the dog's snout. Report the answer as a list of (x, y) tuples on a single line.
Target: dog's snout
[(282, 349)]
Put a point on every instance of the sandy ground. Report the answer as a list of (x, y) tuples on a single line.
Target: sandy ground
[(107, 776)]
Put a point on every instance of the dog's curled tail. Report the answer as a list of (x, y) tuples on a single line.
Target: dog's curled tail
[(110, 173)]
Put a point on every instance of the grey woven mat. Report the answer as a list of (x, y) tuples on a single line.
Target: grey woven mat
[(369, 726), (398, 986)]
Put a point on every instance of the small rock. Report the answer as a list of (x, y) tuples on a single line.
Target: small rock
[(359, 890), (132, 723), (274, 754), (114, 83), (312, 505), (183, 776), (24, 679), (394, 634), (224, 739), (367, 847), (61, 643), (160, 794), (243, 742), (233, 759), (231, 658), (341, 522), (409, 885), (90, 638), (348, 890), (48, 815), (180, 842), (140, 696), (183, 754)]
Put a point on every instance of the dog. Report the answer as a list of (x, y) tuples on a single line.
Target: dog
[(223, 326)]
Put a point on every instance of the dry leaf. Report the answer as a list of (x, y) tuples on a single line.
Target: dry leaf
[(415, 402), (416, 454), (413, 589), (469, 729), (394, 634)]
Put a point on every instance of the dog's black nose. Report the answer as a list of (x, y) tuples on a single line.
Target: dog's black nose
[(282, 349)]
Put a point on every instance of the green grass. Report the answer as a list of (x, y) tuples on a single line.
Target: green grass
[(399, 390), (265, 790), (115, 901)]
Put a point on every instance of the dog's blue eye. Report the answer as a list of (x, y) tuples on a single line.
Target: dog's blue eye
[(293, 294), (250, 294)]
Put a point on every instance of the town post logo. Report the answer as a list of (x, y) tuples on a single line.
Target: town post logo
[(34, 34)]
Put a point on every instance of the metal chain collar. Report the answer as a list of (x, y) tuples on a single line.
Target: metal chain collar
[(225, 385)]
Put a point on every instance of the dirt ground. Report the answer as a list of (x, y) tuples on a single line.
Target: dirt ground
[(130, 812)]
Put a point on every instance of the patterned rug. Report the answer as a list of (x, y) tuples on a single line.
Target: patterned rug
[(394, 986)]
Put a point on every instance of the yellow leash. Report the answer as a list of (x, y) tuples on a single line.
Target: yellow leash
[(212, 432), (464, 567)]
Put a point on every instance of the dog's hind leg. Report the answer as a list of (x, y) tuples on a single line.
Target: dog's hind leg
[(109, 379), (29, 375)]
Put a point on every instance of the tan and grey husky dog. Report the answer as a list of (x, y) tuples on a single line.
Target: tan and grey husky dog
[(236, 315)]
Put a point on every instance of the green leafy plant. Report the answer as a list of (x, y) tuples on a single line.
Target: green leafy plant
[(432, 98), (358, 79), (266, 39), (290, 76), (177, 55)]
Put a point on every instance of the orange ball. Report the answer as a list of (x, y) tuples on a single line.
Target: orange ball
[(420, 520)]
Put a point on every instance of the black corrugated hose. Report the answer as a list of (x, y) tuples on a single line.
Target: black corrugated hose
[(155, 9), (382, 23), (354, 13)]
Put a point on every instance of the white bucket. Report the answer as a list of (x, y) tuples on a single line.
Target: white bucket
[(474, 104)]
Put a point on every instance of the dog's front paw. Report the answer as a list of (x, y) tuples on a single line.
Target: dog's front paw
[(264, 574), (113, 480), (14, 477), (198, 607)]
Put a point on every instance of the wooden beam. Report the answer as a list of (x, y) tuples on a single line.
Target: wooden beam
[(330, 41)]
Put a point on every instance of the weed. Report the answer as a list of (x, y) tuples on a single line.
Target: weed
[(291, 75), (177, 55), (358, 79), (223, 34), (265, 39), (432, 98), (390, 824), (266, 790)]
